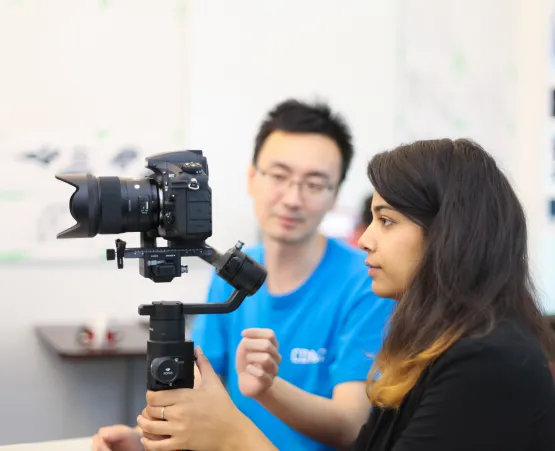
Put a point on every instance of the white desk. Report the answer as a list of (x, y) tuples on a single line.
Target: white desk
[(77, 444)]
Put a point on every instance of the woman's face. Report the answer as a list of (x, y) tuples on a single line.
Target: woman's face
[(395, 246)]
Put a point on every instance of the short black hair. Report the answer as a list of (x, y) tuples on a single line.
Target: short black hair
[(295, 116)]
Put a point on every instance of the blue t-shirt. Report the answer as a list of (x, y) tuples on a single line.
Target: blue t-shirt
[(327, 330)]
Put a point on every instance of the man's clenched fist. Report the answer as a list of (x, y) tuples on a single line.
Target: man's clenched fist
[(257, 361)]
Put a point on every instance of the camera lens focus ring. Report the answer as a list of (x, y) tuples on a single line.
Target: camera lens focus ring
[(110, 205)]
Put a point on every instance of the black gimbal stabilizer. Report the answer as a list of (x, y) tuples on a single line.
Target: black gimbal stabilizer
[(170, 357), (174, 202)]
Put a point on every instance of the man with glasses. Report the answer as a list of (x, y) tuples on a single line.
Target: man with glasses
[(295, 355)]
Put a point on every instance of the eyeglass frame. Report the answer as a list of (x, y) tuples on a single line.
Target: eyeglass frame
[(290, 180)]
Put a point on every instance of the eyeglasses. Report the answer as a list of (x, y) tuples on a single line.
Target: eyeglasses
[(280, 181)]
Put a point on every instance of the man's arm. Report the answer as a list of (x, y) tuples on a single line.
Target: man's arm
[(248, 438), (334, 422)]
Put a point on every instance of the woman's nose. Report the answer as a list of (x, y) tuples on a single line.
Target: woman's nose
[(366, 242)]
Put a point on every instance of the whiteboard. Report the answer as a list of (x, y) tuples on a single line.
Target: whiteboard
[(457, 71)]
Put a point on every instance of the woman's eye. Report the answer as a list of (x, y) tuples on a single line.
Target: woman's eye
[(386, 222)]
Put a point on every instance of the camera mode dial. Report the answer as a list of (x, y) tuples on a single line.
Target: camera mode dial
[(192, 167)]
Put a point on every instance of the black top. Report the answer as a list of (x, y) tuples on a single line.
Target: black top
[(494, 393)]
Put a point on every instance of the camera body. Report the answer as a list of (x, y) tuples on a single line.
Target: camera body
[(174, 202), (184, 195)]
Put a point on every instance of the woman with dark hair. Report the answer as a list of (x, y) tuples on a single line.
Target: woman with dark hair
[(464, 365)]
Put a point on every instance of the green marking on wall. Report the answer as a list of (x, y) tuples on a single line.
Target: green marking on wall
[(13, 256), (459, 125), (512, 71), (178, 138), (401, 122), (101, 134), (12, 195), (181, 9), (459, 63)]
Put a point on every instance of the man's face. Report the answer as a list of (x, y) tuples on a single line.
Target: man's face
[(294, 184)]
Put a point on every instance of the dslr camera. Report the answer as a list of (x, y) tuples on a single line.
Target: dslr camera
[(174, 203)]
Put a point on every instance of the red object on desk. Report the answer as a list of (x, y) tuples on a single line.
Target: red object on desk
[(63, 339)]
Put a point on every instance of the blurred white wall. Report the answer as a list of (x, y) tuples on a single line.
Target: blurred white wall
[(534, 164), (150, 76)]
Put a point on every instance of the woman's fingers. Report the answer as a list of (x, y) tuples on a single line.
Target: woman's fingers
[(155, 427), (168, 444)]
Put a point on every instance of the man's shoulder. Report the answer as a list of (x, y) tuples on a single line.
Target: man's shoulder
[(255, 251), (351, 282), (345, 256), (347, 263), (338, 249)]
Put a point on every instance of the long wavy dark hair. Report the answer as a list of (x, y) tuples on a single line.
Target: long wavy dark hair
[(474, 270)]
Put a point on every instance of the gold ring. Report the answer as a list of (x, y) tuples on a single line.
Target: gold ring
[(163, 408)]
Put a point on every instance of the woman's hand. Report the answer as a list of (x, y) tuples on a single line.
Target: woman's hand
[(203, 419), (257, 360)]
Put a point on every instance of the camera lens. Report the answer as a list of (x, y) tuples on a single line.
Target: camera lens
[(111, 205)]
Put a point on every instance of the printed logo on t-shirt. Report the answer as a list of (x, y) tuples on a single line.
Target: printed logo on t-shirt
[(308, 356)]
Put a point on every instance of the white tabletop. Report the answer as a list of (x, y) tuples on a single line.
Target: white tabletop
[(77, 444)]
